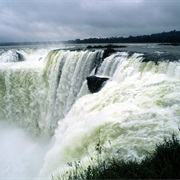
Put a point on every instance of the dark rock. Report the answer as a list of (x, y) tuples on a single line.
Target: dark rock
[(151, 57), (108, 52), (156, 58), (108, 46), (95, 83), (89, 47), (20, 56), (12, 56), (170, 44)]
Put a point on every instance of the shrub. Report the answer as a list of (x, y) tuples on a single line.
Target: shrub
[(163, 163)]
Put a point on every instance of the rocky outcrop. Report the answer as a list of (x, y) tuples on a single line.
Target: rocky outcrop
[(95, 83), (159, 57), (108, 46), (11, 56), (20, 57), (108, 49), (108, 52)]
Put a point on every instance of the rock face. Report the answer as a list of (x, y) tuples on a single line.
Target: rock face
[(108, 52), (20, 57), (159, 57), (95, 83), (11, 56)]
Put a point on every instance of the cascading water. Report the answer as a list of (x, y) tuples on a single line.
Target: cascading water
[(135, 109), (37, 96)]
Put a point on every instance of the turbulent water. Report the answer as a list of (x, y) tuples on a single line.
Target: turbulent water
[(49, 118)]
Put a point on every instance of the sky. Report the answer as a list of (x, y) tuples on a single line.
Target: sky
[(56, 20)]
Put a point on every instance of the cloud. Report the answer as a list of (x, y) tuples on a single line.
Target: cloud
[(45, 20)]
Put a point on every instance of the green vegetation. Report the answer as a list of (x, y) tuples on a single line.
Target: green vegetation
[(164, 37), (109, 46), (163, 163)]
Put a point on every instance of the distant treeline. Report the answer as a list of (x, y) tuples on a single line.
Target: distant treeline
[(164, 37)]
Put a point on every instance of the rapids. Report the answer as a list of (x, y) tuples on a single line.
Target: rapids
[(46, 108)]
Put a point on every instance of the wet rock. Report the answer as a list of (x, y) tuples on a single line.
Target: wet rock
[(11, 56), (170, 44), (95, 83), (20, 57), (108, 46), (156, 58), (108, 52)]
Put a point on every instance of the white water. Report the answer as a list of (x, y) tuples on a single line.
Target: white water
[(132, 113), (136, 109), (37, 93), (21, 155)]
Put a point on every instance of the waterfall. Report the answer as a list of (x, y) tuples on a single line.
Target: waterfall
[(65, 73), (136, 109), (46, 93), (36, 94)]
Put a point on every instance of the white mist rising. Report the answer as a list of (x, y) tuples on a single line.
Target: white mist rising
[(21, 155)]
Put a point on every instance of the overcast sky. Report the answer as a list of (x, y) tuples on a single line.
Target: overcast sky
[(44, 20)]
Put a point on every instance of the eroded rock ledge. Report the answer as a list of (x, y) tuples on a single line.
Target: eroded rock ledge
[(95, 83)]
